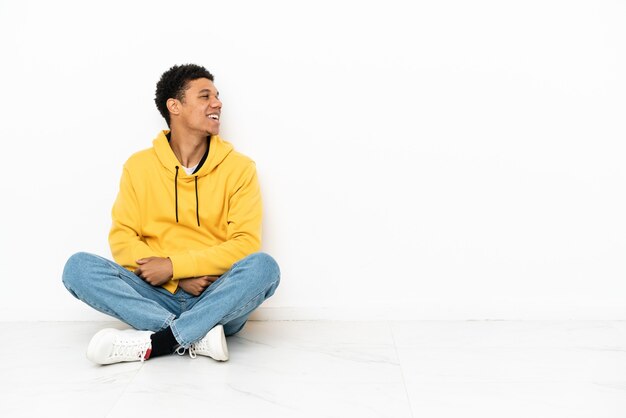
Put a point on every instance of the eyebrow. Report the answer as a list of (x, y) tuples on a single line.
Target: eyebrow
[(217, 93)]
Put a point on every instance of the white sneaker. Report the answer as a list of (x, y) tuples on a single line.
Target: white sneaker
[(111, 345), (211, 345)]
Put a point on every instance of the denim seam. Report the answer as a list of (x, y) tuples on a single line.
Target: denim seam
[(94, 305), (238, 311), (185, 344), (168, 322), (104, 310), (114, 314), (177, 336)]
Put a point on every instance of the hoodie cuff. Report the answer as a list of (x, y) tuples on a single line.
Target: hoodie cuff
[(183, 266)]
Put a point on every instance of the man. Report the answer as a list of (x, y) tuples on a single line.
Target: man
[(185, 237)]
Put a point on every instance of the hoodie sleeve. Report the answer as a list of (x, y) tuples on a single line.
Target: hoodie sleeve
[(125, 235), (245, 211)]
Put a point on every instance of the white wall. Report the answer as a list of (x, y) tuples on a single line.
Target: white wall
[(426, 160)]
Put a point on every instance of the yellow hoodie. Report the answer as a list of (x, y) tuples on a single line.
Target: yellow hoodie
[(204, 222)]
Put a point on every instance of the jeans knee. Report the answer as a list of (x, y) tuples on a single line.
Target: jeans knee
[(73, 268), (266, 266)]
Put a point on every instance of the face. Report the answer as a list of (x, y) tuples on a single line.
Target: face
[(200, 110)]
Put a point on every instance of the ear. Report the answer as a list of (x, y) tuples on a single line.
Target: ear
[(173, 106)]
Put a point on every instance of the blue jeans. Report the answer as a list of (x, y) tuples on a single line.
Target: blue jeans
[(113, 290)]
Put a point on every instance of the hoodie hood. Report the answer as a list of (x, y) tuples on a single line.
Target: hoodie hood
[(219, 150)]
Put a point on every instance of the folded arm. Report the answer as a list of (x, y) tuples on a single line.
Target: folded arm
[(245, 213)]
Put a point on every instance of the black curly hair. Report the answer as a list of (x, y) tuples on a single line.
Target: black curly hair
[(173, 84)]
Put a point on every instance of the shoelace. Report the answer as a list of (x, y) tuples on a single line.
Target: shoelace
[(193, 349), (131, 349)]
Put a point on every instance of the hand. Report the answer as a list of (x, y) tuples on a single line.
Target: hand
[(196, 285), (155, 270)]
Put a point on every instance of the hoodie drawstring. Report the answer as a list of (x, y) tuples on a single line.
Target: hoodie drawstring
[(197, 212), (176, 192), (176, 196)]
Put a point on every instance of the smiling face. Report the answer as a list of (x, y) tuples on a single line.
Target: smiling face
[(200, 109)]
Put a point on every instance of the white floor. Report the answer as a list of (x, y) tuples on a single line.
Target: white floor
[(330, 369)]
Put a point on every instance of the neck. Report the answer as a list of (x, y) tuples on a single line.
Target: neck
[(187, 148)]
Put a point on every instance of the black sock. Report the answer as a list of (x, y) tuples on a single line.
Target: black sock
[(163, 342)]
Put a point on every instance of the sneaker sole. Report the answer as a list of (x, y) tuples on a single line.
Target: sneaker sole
[(218, 340)]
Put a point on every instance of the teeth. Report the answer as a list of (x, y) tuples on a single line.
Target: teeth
[(213, 116)]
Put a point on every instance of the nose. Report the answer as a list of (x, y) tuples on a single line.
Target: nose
[(215, 102)]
